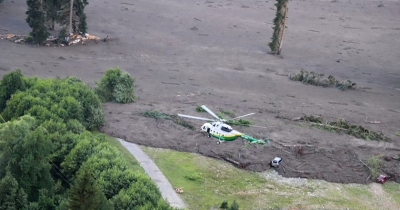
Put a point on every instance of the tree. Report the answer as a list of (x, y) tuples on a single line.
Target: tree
[(73, 15), (25, 150), (10, 83), (279, 27), (12, 197), (36, 19), (85, 194), (52, 7)]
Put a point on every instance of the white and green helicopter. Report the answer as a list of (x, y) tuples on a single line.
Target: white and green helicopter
[(222, 131)]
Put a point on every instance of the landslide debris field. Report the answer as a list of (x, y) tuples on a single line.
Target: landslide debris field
[(188, 53)]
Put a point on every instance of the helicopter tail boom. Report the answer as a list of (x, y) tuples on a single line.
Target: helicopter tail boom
[(254, 140)]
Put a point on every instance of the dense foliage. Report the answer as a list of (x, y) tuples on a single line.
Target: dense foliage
[(36, 19), (49, 159), (116, 86), (43, 14)]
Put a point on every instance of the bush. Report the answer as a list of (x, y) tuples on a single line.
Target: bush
[(11, 83), (58, 99), (224, 205), (116, 86)]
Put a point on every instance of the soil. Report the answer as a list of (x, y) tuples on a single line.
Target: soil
[(188, 53)]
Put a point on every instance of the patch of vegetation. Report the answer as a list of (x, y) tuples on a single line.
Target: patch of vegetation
[(130, 161), (54, 158), (116, 86), (228, 113), (241, 122), (200, 109), (156, 114), (252, 190), (397, 134), (375, 164), (194, 177), (341, 125), (319, 80), (174, 118)]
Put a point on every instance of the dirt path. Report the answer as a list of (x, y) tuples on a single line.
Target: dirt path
[(155, 174)]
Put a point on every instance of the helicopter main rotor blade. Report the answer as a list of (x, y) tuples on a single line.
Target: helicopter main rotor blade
[(193, 117), (242, 116), (210, 112)]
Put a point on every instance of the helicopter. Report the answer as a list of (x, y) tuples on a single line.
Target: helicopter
[(221, 130)]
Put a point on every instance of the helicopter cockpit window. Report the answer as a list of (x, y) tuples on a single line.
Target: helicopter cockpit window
[(226, 129)]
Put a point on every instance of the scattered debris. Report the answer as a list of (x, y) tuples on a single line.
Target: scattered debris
[(382, 178), (319, 80), (178, 190), (275, 162), (373, 122), (52, 40)]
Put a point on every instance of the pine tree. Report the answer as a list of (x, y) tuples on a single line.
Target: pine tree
[(73, 15), (85, 193), (11, 195), (52, 7), (36, 19), (279, 27)]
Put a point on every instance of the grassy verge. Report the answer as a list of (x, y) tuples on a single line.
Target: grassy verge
[(393, 189), (130, 160), (208, 182)]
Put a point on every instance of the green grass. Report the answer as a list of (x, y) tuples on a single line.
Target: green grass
[(208, 182), (200, 109), (130, 160), (393, 189)]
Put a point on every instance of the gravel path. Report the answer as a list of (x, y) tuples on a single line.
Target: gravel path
[(155, 174)]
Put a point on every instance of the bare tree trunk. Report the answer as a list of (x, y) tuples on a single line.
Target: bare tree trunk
[(70, 16), (285, 8)]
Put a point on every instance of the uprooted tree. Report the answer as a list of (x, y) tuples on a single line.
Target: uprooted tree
[(279, 27)]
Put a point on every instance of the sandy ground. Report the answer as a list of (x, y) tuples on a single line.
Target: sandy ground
[(192, 52)]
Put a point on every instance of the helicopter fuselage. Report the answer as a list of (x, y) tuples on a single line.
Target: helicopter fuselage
[(220, 131)]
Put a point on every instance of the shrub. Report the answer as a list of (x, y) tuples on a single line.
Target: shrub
[(58, 99), (224, 205), (116, 86), (11, 83)]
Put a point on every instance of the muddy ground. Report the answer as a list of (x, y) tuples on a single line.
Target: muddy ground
[(189, 53)]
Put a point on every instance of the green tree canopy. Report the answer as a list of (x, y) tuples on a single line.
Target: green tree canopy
[(12, 197), (57, 99), (85, 193), (117, 86), (25, 150)]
